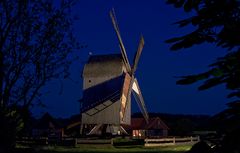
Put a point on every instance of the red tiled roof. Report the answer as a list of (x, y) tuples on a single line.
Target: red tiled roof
[(153, 123)]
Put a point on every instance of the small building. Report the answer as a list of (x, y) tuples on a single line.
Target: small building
[(155, 128), (47, 127)]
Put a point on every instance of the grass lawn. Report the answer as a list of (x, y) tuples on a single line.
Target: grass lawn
[(106, 149)]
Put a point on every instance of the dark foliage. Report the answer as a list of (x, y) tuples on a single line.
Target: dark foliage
[(231, 142), (216, 22), (227, 120), (200, 147), (11, 124), (35, 43)]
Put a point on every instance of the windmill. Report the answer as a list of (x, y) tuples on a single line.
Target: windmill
[(108, 82)]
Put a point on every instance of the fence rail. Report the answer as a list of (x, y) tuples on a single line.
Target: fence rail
[(31, 140), (77, 141), (171, 141), (94, 141), (62, 141)]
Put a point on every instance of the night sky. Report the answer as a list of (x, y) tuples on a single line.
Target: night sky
[(157, 68)]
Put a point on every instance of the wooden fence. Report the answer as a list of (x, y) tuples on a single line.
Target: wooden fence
[(78, 141), (62, 141), (31, 140), (171, 141)]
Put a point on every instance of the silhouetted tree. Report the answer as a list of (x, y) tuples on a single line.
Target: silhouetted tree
[(35, 43), (216, 22)]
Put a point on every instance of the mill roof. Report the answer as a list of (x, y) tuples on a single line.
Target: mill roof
[(110, 64), (104, 58)]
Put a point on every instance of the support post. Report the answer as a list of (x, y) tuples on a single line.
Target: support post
[(81, 129)]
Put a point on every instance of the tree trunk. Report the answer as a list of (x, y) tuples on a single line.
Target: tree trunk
[(1, 79)]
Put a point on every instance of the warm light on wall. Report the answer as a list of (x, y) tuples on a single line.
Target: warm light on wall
[(137, 133)]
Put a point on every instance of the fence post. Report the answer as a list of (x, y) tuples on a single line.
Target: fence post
[(198, 138), (191, 138), (174, 140), (76, 142), (112, 141), (46, 140)]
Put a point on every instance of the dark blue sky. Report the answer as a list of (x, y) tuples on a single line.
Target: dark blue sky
[(157, 67)]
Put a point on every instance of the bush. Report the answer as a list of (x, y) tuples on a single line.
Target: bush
[(201, 147), (11, 124)]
